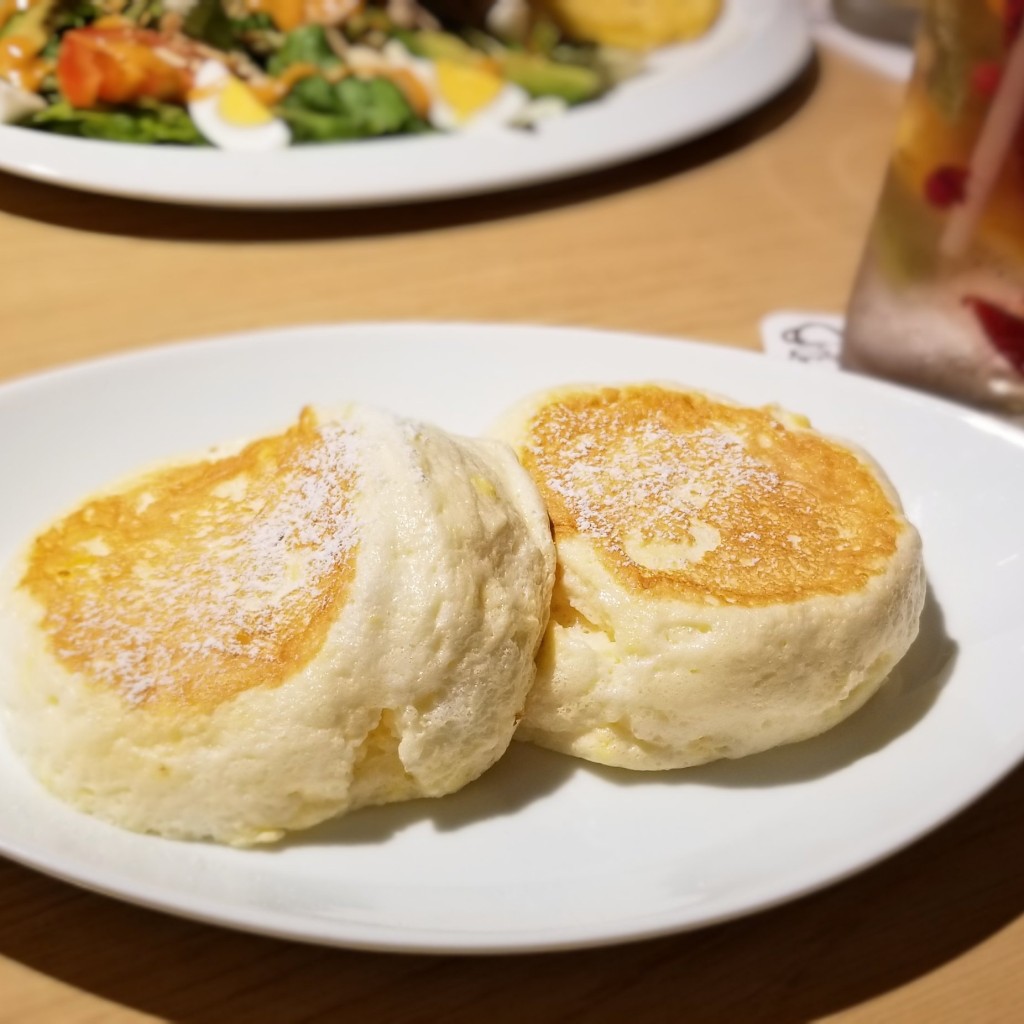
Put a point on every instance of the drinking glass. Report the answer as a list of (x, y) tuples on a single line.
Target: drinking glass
[(938, 301)]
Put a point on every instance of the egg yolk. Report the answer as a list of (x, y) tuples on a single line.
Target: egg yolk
[(238, 106), (465, 88)]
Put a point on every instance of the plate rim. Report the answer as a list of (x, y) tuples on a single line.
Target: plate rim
[(242, 337), (80, 163)]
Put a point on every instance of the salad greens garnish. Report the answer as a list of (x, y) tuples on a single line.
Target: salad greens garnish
[(258, 74)]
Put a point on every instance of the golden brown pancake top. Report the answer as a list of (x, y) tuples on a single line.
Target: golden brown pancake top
[(202, 580), (687, 497)]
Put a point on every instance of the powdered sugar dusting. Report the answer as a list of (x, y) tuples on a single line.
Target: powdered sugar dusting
[(702, 498), (218, 580), (661, 479)]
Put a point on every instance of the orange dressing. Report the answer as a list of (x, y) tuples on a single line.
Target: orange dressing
[(20, 63), (113, 21), (9, 8), (290, 14), (411, 86), (286, 14), (272, 90)]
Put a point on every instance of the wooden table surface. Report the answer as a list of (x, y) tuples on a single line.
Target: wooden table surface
[(700, 241)]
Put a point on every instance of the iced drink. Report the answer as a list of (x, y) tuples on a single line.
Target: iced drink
[(939, 297)]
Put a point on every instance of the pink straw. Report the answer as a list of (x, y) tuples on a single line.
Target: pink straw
[(990, 152)]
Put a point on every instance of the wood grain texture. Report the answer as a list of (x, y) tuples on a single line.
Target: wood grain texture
[(701, 241)]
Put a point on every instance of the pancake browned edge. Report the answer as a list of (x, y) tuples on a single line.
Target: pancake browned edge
[(728, 579), (250, 642)]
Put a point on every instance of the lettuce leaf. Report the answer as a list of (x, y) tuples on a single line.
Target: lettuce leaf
[(149, 122), (209, 23), (318, 110), (304, 45)]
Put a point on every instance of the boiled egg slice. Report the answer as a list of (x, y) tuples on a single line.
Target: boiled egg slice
[(16, 103), (230, 116), (472, 97), (465, 96)]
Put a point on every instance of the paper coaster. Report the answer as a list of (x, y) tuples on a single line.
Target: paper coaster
[(803, 337)]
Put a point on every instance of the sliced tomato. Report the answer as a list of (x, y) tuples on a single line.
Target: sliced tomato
[(118, 65)]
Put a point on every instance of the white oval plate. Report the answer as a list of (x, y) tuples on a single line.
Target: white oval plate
[(546, 852), (753, 51)]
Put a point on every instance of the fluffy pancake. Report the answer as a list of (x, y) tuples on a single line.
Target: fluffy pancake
[(253, 641), (728, 579), (634, 24)]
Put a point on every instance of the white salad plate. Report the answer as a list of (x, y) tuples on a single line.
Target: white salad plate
[(547, 852), (687, 90)]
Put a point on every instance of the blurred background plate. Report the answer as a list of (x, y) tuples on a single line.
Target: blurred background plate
[(755, 48)]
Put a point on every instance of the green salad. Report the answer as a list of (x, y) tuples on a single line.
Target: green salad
[(253, 75)]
